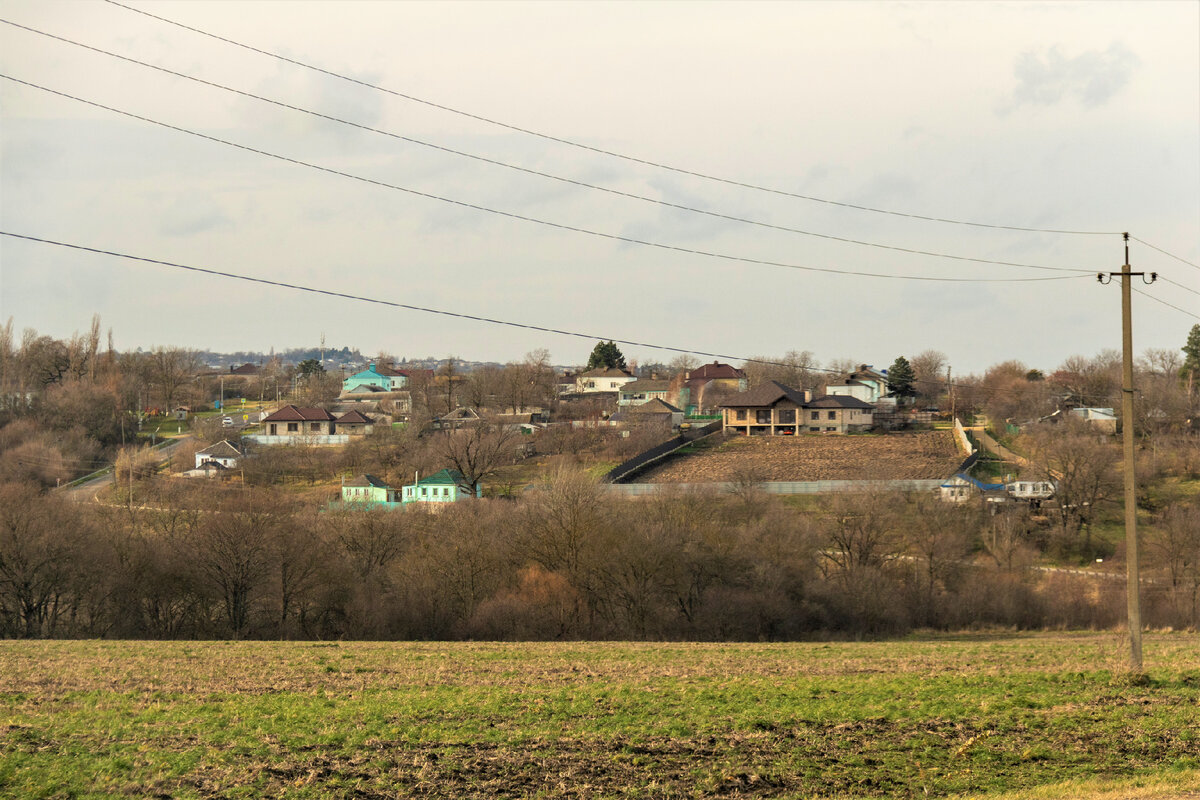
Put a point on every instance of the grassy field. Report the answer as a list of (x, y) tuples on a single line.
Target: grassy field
[(1039, 715)]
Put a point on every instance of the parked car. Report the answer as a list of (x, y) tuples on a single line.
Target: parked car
[(226, 422)]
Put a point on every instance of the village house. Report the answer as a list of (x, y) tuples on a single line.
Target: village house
[(354, 423), (769, 409), (368, 490), (838, 414), (224, 453), (375, 378), (772, 409), (294, 421), (439, 489), (602, 379), (702, 389), (641, 391)]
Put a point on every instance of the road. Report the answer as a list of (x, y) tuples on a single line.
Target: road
[(87, 491)]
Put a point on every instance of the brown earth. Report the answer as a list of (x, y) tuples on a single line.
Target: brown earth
[(895, 456)]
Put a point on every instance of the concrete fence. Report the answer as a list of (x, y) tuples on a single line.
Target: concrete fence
[(778, 487)]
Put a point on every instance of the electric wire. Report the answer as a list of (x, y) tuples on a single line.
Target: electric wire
[(1177, 283), (535, 220), (474, 318), (388, 303), (538, 173), (601, 151), (1191, 314), (1164, 252)]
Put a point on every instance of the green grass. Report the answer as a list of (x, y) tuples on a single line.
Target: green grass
[(942, 716)]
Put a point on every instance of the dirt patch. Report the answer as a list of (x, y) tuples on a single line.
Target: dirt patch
[(899, 456)]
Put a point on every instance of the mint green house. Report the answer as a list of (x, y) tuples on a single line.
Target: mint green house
[(368, 490), (383, 379), (447, 486)]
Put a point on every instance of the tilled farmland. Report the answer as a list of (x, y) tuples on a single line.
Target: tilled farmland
[(896, 456)]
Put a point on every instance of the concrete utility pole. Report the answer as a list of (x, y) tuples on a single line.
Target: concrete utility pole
[(1132, 595)]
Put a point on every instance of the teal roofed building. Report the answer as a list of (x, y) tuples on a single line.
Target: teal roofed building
[(446, 486), (384, 379)]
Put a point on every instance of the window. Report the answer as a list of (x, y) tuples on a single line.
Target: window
[(762, 417), (831, 415), (814, 430), (816, 415), (293, 427), (832, 429), (741, 414), (787, 416), (424, 491), (315, 427)]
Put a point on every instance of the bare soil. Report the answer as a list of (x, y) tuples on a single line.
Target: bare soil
[(896, 456)]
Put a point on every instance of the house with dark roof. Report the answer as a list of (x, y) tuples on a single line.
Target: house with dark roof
[(838, 414), (354, 423), (702, 389), (772, 409), (769, 409), (295, 421), (656, 410)]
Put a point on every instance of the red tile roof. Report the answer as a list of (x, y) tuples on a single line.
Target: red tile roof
[(290, 413)]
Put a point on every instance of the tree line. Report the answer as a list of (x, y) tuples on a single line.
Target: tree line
[(564, 561)]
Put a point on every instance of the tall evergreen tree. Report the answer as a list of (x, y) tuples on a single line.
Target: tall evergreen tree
[(900, 378), (606, 355), (1191, 361)]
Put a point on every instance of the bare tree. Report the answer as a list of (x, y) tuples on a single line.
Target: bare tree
[(477, 451), (929, 379), (1082, 464), (169, 368), (1174, 546)]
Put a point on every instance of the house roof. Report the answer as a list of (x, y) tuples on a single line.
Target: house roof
[(246, 369), (222, 449), (604, 372), (367, 480), (845, 382), (447, 476), (716, 371), (354, 418), (655, 406), (290, 413), (460, 414), (366, 388), (646, 385), (839, 401), (764, 395)]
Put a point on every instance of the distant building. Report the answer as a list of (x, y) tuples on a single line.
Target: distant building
[(446, 486)]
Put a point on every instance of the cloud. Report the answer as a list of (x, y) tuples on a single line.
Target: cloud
[(1091, 78)]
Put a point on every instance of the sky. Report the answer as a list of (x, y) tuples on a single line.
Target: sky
[(683, 175)]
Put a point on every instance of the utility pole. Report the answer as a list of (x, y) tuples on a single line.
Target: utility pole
[(1132, 595)]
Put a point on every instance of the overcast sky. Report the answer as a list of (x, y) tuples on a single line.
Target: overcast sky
[(1074, 116)]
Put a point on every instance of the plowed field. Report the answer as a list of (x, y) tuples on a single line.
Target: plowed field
[(896, 456)]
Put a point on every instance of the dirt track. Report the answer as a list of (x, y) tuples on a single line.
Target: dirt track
[(909, 456)]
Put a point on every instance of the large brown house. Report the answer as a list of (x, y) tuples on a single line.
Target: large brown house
[(772, 409)]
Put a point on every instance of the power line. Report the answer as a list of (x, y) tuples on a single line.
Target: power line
[(458, 315), (389, 303), (524, 218), (1165, 303), (601, 151), (1164, 252), (1180, 285), (538, 173)]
